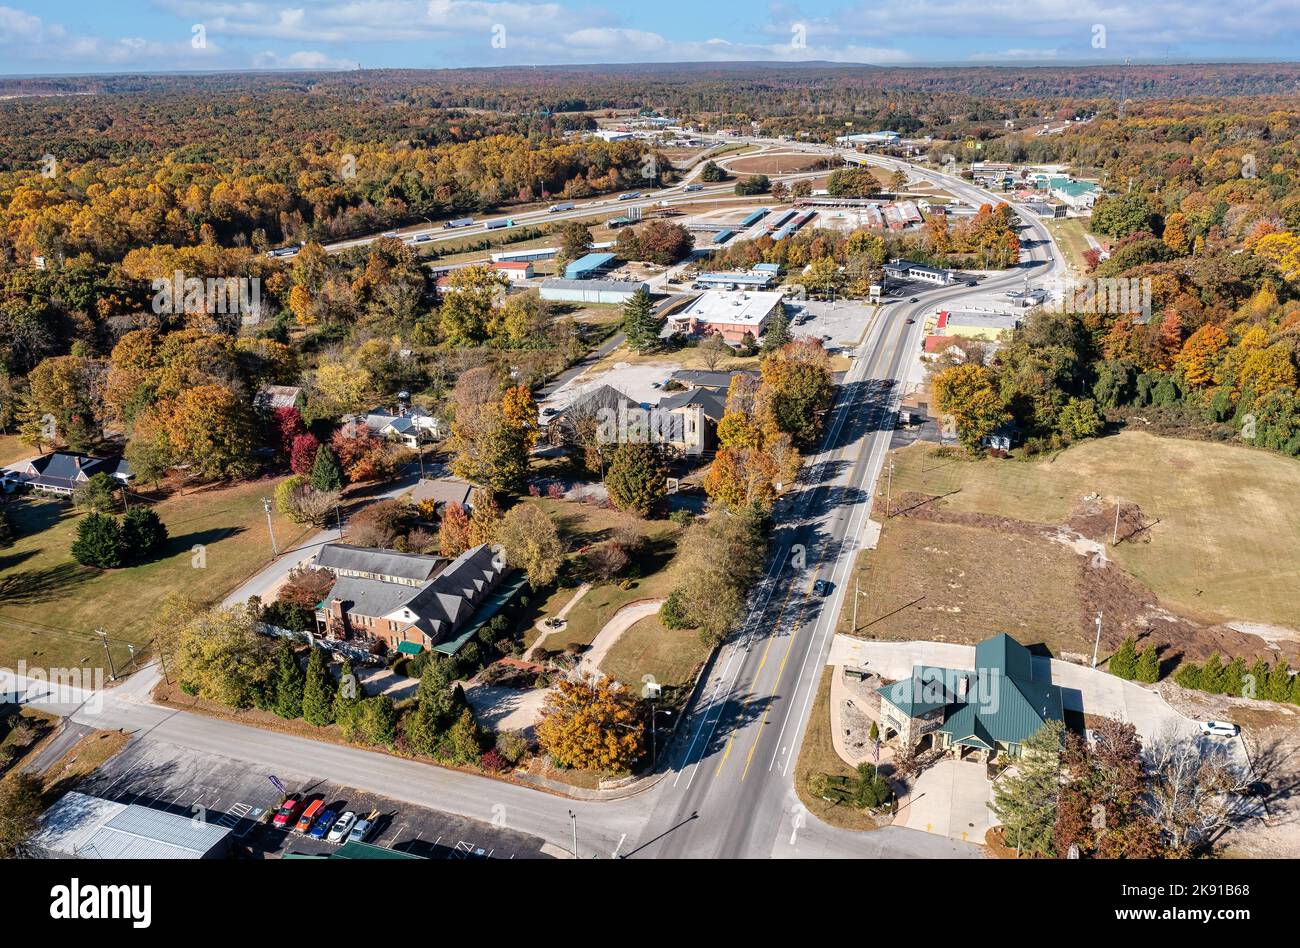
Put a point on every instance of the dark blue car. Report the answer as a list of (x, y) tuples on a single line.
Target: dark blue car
[(323, 825)]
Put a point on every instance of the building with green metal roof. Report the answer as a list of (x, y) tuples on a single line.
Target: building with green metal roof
[(992, 709)]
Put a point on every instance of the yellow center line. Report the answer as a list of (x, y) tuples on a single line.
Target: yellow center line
[(794, 633)]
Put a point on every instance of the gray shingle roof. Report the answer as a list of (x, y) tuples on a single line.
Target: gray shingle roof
[(360, 559)]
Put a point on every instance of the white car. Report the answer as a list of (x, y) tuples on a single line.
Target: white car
[(339, 831), (1219, 729)]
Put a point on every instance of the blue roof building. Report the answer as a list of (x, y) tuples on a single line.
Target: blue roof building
[(584, 268)]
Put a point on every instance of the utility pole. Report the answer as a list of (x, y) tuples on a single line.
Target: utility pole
[(856, 594), (112, 672), (270, 527), (1096, 644), (889, 491), (574, 818), (1114, 537)]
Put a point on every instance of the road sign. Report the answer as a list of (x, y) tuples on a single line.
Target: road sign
[(277, 784)]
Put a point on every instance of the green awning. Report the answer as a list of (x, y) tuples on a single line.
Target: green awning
[(410, 648)]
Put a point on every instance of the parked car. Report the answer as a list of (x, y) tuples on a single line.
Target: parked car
[(322, 825), (389, 233), (1219, 729), (914, 299), (288, 809), (821, 588), (339, 831), (361, 832), (309, 816), (910, 320)]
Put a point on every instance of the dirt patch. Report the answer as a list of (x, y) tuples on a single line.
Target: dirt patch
[(998, 572)]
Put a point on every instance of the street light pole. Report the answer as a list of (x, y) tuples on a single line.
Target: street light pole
[(112, 672), (270, 528), (1114, 537), (1096, 644), (574, 818)]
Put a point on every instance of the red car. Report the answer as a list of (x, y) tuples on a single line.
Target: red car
[(288, 809)]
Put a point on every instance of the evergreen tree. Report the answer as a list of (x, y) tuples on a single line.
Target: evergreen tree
[(1026, 802), (637, 478), (1234, 677), (326, 474), (426, 723), (1279, 682), (640, 324), (98, 542), (289, 682), (777, 333), (143, 533), (1213, 675), (1188, 676), (1148, 666), (464, 743), (379, 720), (318, 690), (1256, 682), (1123, 664)]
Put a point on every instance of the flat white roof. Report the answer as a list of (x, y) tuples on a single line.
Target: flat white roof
[(741, 307)]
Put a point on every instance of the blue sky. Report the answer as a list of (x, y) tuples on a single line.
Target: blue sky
[(75, 36)]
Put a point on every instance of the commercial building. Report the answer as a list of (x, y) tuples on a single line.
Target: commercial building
[(514, 270), (754, 279), (80, 826), (867, 139), (905, 270), (409, 601), (1078, 195), (590, 291), (976, 324), (975, 714), (589, 266), (535, 253), (732, 315)]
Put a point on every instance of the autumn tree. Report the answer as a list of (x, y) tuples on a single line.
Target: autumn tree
[(211, 429), (453, 530), (530, 542), (592, 725), (966, 393)]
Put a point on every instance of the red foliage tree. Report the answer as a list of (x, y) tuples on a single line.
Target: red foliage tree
[(288, 427), (303, 454)]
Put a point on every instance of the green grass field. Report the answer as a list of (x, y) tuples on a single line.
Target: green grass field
[(649, 648), (583, 525), (1069, 234), (50, 605), (1224, 537)]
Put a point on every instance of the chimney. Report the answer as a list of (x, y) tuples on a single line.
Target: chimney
[(962, 683)]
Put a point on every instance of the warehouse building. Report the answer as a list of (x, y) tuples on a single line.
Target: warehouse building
[(80, 826), (590, 291), (590, 266), (753, 280)]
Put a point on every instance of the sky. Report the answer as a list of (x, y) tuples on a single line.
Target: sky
[(99, 36)]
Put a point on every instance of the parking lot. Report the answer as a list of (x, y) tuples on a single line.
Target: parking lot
[(840, 323), (226, 792)]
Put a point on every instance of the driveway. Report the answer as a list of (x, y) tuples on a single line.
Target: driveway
[(950, 798), (507, 709)]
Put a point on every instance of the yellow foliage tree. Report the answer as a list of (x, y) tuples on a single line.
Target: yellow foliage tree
[(592, 725)]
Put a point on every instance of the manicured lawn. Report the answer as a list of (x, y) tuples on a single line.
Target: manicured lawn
[(11, 450), (1223, 541), (50, 605), (649, 648), (688, 357), (586, 524)]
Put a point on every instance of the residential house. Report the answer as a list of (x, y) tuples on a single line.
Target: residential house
[(410, 426), (975, 714), (63, 472), (410, 601), (271, 398)]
